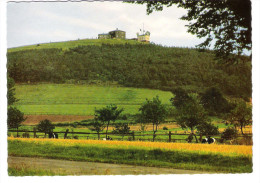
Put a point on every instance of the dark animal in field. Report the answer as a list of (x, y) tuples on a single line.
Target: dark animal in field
[(53, 135), (208, 140), (108, 138)]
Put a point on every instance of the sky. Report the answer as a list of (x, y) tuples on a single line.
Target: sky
[(43, 22)]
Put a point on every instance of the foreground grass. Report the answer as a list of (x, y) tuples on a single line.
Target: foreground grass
[(81, 99), (215, 158), (24, 171)]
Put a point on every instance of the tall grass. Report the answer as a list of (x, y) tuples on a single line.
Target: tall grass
[(214, 158)]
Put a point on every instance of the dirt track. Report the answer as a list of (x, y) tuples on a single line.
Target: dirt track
[(90, 168)]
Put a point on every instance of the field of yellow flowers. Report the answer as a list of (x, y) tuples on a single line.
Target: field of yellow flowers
[(214, 148)]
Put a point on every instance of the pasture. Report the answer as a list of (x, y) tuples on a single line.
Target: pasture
[(203, 157), (70, 99)]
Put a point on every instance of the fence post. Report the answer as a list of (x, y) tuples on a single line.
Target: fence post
[(170, 136), (133, 134), (34, 132), (65, 135)]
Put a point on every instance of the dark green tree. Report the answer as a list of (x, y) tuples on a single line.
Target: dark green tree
[(225, 22), (14, 118), (207, 129), (191, 114), (214, 102), (122, 128), (11, 91), (45, 126), (153, 111), (181, 97), (241, 115), (98, 126), (107, 114)]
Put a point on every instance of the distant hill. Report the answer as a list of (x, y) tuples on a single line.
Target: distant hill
[(65, 45), (130, 64)]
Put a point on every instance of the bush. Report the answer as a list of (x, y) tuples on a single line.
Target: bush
[(165, 128), (229, 134)]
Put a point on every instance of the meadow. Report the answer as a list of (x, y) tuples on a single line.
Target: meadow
[(204, 157), (70, 99)]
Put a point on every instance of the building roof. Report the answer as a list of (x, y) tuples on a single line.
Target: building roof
[(116, 30)]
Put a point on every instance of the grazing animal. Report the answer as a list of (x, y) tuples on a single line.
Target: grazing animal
[(53, 135), (108, 138), (204, 141), (208, 140)]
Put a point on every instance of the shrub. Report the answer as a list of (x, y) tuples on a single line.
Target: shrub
[(165, 128), (229, 134)]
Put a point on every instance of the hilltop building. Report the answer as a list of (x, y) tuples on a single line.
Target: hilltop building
[(115, 34), (145, 37)]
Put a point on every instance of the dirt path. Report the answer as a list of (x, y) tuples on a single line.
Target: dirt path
[(89, 168)]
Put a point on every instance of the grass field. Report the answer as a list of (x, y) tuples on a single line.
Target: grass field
[(73, 43), (205, 157), (69, 99)]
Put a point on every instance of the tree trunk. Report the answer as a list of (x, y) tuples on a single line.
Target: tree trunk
[(153, 133), (17, 132), (98, 136), (107, 128), (241, 127)]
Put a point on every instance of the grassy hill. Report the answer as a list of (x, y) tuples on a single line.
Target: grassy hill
[(68, 99), (130, 64), (66, 45)]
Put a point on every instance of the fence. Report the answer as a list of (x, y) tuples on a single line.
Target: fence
[(167, 137)]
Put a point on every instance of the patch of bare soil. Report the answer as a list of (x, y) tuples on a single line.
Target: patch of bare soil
[(35, 119), (89, 168)]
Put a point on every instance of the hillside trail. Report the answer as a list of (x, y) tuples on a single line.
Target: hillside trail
[(90, 168)]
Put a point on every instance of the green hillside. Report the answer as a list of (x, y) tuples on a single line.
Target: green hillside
[(128, 64), (81, 99), (75, 43)]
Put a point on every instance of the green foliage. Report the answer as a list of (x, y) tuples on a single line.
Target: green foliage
[(181, 97), (191, 114), (153, 111), (107, 114), (141, 66), (207, 128), (214, 102), (121, 128), (241, 115), (45, 126), (229, 134), (11, 91), (98, 126), (14, 117), (165, 128), (225, 23)]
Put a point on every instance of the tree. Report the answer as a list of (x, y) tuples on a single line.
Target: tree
[(153, 111), (98, 127), (214, 102), (225, 22), (181, 97), (107, 114), (241, 115), (207, 129), (122, 128), (15, 118), (10, 91), (45, 126), (191, 114)]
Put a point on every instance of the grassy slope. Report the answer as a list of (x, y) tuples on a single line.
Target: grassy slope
[(70, 44), (81, 99)]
